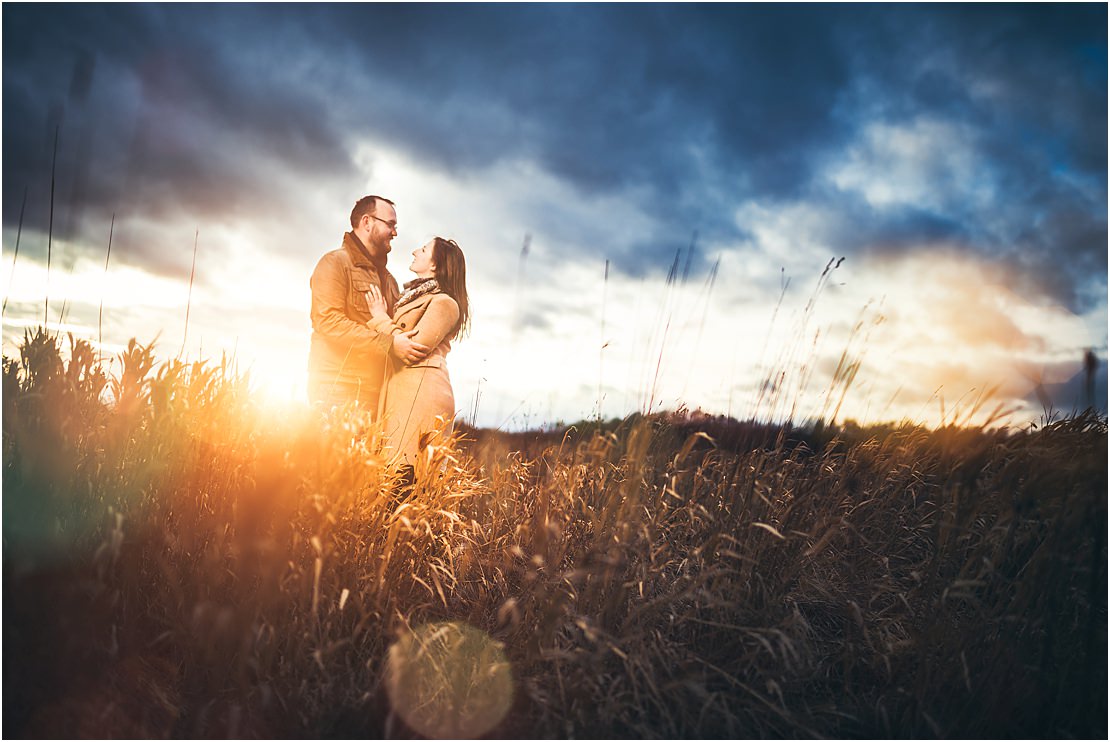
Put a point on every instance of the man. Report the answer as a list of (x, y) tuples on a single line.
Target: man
[(347, 359)]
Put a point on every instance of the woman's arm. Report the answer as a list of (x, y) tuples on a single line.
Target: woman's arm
[(376, 302)]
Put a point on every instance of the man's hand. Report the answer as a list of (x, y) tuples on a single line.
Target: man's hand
[(408, 350)]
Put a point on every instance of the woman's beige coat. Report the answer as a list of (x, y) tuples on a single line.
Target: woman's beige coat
[(417, 399)]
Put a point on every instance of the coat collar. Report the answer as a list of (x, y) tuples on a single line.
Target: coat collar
[(419, 302)]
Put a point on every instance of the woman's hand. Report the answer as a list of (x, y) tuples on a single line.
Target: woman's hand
[(376, 302)]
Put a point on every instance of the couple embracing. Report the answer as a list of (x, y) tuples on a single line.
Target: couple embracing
[(382, 348)]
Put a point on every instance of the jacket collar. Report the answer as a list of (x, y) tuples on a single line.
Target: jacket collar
[(359, 254)]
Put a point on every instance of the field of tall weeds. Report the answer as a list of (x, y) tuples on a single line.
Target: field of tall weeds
[(180, 561)]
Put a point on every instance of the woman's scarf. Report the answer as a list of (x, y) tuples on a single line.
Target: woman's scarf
[(414, 289)]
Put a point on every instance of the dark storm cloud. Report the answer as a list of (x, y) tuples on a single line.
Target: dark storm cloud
[(158, 117), (1053, 229), (692, 108), (690, 111), (618, 96), (1030, 82)]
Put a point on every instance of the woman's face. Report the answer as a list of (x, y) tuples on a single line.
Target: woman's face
[(422, 263)]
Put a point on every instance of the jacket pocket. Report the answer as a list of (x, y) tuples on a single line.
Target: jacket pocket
[(357, 298)]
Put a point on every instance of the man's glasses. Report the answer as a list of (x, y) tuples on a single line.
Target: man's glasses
[(392, 225)]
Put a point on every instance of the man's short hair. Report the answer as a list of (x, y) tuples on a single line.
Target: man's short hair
[(366, 205)]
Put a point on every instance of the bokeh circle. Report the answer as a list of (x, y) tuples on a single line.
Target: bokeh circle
[(449, 680)]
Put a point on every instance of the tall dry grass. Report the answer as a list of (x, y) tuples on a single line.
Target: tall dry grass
[(181, 562)]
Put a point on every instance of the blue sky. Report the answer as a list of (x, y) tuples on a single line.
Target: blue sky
[(954, 156)]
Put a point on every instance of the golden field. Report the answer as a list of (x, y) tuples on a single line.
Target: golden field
[(180, 561)]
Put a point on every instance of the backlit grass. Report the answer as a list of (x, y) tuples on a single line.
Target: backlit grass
[(179, 561)]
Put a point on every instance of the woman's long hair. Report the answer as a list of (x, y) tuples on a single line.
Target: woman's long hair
[(451, 276)]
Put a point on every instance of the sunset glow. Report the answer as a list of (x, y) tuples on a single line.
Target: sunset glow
[(955, 287)]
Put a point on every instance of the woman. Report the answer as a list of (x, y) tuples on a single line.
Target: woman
[(417, 398)]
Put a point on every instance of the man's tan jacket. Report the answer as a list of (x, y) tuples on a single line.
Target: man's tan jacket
[(347, 354)]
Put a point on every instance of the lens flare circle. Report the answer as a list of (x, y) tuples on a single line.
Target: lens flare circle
[(449, 680)]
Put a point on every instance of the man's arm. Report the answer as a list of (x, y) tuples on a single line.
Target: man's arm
[(439, 318), (407, 350), (404, 348)]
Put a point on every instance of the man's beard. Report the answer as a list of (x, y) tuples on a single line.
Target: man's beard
[(381, 247)]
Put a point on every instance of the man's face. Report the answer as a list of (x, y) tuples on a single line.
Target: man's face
[(383, 227)]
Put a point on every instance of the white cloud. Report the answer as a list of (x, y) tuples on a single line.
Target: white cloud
[(792, 236), (926, 163)]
